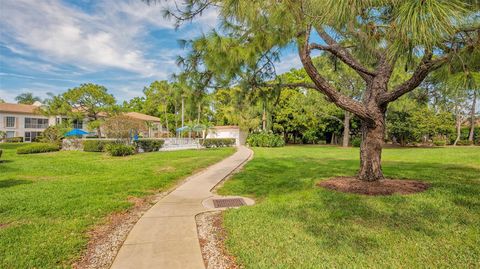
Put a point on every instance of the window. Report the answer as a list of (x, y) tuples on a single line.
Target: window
[(10, 122), (77, 124), (31, 136), (10, 134), (36, 123)]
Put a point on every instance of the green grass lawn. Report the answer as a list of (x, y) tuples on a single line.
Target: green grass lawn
[(297, 225), (49, 201)]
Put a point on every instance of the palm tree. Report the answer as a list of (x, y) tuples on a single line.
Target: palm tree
[(27, 98)]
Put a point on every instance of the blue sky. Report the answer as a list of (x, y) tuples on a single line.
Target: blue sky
[(54, 45)]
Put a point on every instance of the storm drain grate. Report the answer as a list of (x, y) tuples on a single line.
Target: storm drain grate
[(230, 202)]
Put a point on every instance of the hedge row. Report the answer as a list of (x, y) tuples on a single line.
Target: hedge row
[(265, 139), (97, 145), (149, 145), (14, 139), (38, 148), (217, 142), (119, 149)]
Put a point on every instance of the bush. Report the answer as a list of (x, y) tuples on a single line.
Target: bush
[(149, 145), (463, 142), (217, 142), (265, 139), (14, 140), (1, 151), (439, 142), (53, 134), (38, 148), (96, 145), (356, 142), (120, 149)]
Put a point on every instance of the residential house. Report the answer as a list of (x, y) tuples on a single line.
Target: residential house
[(26, 121)]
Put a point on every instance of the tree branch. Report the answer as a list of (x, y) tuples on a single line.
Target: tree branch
[(343, 54), (426, 66), (324, 87)]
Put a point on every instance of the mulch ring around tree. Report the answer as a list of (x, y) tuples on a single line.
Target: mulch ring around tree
[(382, 187)]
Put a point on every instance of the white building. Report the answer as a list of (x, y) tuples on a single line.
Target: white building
[(26, 121), (228, 132)]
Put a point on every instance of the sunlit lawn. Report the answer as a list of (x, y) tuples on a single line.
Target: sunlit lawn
[(49, 201), (297, 225)]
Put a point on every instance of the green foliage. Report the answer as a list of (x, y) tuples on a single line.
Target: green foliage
[(119, 149), (217, 142), (265, 139), (96, 145), (356, 142), (1, 152), (38, 148), (439, 142), (18, 139), (27, 98), (149, 145), (53, 134)]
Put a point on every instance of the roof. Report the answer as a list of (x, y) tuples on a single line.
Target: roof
[(19, 108), (141, 116), (226, 127)]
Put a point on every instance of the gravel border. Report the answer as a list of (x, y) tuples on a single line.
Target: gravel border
[(211, 236)]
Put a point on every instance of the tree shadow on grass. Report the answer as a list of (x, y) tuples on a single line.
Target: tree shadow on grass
[(7, 183)]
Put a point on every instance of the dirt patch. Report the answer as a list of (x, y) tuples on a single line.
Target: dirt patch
[(382, 187), (105, 240), (212, 237), (164, 169)]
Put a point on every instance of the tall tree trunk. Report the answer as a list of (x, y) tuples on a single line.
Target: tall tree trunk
[(183, 111), (472, 119), (458, 125), (166, 120), (346, 129), (371, 151), (264, 118), (199, 108)]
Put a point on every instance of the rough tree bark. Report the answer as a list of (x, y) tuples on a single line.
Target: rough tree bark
[(346, 129), (472, 119), (371, 109)]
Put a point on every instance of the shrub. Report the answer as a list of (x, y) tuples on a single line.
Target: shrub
[(1, 151), (217, 142), (14, 140), (439, 142), (356, 142), (96, 145), (53, 134), (265, 139), (149, 145), (120, 149), (463, 142), (38, 148)]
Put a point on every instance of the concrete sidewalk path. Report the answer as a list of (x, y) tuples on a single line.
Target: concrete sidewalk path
[(166, 235)]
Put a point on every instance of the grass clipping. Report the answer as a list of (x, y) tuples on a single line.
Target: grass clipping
[(382, 187)]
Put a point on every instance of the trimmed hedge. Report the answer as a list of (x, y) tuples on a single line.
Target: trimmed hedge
[(37, 148), (217, 142), (119, 149), (14, 139), (439, 143), (149, 145), (265, 140), (96, 145)]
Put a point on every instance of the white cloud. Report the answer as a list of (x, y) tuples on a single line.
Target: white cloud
[(111, 37), (287, 62)]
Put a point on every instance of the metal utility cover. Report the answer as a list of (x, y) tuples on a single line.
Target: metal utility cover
[(230, 202)]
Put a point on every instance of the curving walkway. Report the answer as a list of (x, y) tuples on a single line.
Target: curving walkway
[(166, 235)]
